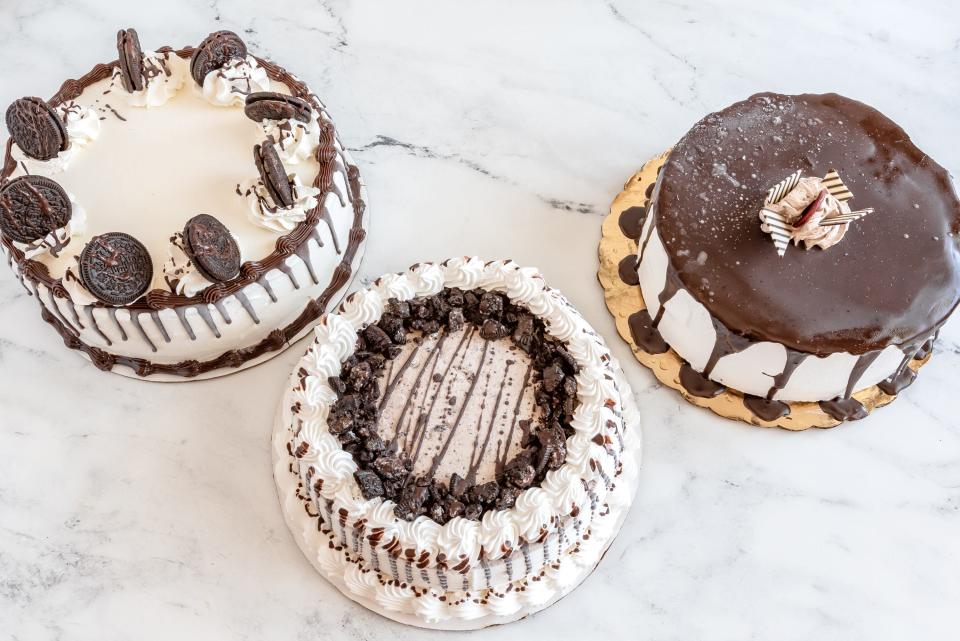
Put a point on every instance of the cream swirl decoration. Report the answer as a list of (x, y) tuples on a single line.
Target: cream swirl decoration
[(82, 125), (179, 272), (229, 85), (266, 213), (161, 80), (297, 141), (808, 210)]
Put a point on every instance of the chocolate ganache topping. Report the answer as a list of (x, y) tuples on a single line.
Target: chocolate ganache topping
[(893, 280)]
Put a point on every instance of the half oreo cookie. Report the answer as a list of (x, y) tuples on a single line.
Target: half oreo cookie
[(269, 105), (116, 268), (36, 128), (272, 173), (216, 50), (130, 59), (212, 248), (31, 207)]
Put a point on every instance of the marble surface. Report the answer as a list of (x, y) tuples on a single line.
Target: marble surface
[(148, 511)]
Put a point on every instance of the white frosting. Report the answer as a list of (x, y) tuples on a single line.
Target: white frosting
[(162, 80), (82, 125), (688, 328), (297, 141), (181, 275), (229, 85), (540, 519), (266, 213)]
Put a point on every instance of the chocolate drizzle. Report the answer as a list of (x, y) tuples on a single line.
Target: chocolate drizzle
[(631, 221), (627, 269), (847, 408), (727, 343), (644, 334), (844, 409), (765, 408), (698, 384), (331, 160)]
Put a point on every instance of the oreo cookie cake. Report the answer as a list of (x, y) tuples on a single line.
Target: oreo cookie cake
[(180, 213), (795, 249), (458, 447)]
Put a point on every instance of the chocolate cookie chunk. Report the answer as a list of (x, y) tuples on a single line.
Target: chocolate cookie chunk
[(130, 60), (116, 268), (272, 173), (212, 248), (216, 50), (269, 105), (31, 207), (36, 128)]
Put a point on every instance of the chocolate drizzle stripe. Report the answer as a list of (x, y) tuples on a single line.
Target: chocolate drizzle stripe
[(88, 310), (466, 401), (247, 306), (863, 362), (158, 322), (423, 420), (204, 311), (401, 434), (135, 319), (112, 312), (794, 359), (476, 457), (55, 309), (502, 455), (182, 315)]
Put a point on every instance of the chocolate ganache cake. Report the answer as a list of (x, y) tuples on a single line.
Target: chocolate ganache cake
[(180, 213), (796, 249), (458, 447)]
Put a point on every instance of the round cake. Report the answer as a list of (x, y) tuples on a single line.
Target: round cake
[(796, 248), (458, 447), (180, 213)]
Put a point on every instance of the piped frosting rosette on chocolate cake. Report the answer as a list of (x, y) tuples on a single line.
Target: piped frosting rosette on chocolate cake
[(495, 481)]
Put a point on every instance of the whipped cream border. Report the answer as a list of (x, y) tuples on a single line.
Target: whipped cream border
[(536, 509)]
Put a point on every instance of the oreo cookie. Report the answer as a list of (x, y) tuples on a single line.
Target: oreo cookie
[(216, 50), (31, 207), (116, 268), (212, 248), (269, 105), (36, 128), (272, 173), (130, 59)]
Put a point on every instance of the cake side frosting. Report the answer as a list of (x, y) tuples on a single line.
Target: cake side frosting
[(505, 545)]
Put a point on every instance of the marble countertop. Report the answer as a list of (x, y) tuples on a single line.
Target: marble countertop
[(148, 511)]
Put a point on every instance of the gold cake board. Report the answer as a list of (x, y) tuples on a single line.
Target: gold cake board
[(623, 300)]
